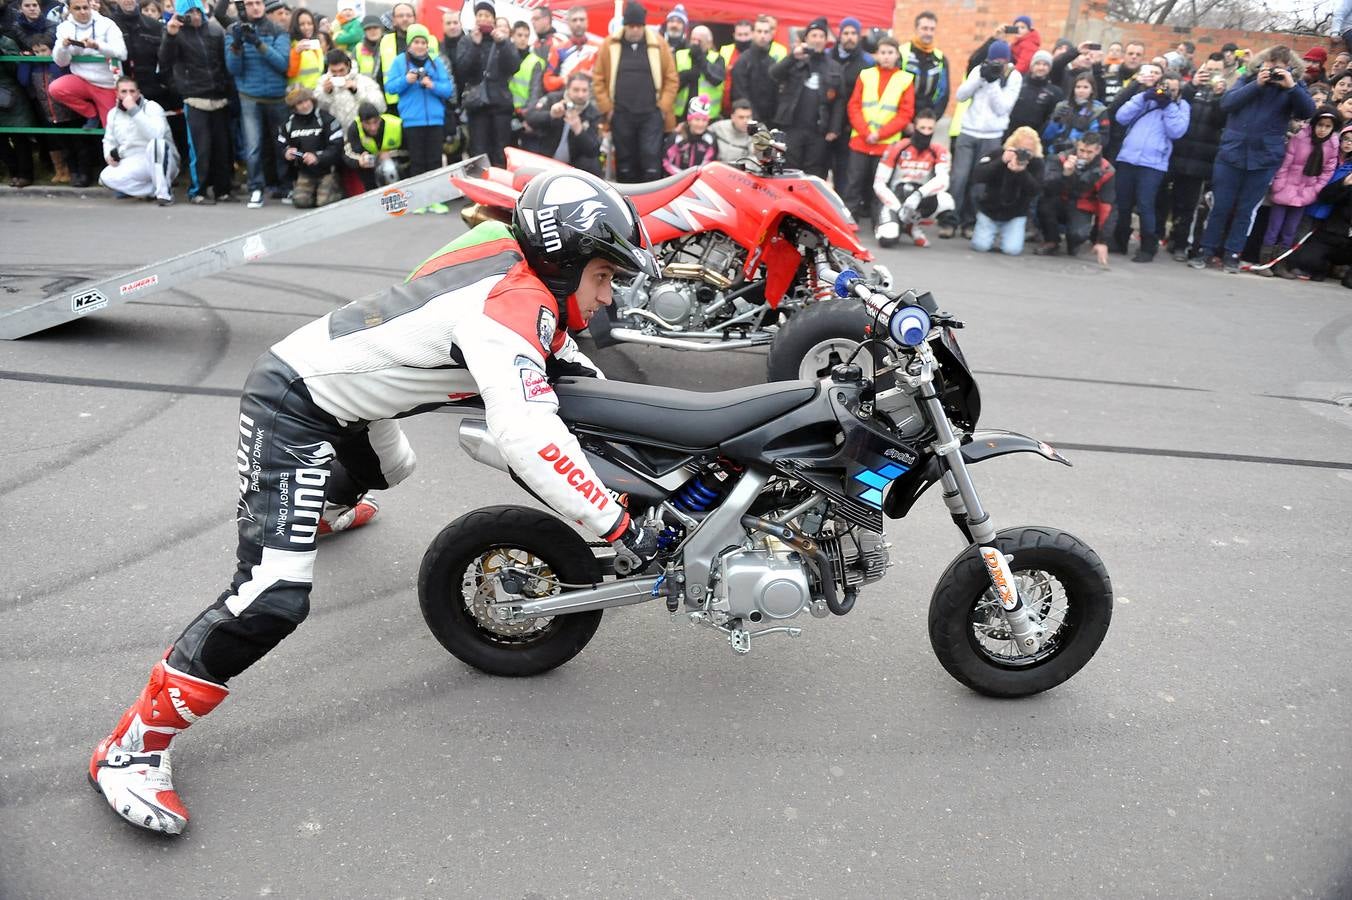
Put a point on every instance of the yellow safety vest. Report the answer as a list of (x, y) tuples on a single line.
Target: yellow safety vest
[(778, 51), (388, 54), (523, 78), (312, 66), (878, 111), (391, 139), (713, 91)]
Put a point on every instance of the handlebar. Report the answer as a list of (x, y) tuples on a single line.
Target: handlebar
[(909, 317)]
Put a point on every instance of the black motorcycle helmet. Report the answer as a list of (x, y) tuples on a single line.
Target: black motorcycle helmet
[(566, 218)]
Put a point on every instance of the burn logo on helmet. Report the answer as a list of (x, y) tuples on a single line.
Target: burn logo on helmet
[(579, 217)]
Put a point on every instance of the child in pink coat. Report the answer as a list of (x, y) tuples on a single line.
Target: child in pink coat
[(1310, 159)]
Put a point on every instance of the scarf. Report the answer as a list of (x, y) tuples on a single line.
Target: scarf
[(920, 45)]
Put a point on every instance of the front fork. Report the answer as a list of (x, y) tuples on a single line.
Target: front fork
[(965, 506)]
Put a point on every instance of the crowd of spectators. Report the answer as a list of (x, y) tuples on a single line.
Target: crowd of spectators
[(1078, 146)]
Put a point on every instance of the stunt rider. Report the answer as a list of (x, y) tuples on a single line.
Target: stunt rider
[(917, 170), (486, 315)]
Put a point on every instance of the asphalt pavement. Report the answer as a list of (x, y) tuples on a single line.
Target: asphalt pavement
[(1202, 753)]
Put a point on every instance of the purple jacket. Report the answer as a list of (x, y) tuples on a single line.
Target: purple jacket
[(1151, 130), (1292, 187)]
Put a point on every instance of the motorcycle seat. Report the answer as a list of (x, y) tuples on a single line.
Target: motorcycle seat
[(651, 195), (695, 420)]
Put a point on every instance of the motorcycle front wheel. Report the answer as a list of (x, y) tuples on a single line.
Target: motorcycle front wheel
[(460, 574), (1066, 589)]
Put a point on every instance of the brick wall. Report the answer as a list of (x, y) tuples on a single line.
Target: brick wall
[(965, 24)]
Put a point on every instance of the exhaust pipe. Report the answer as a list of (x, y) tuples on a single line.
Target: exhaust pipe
[(477, 213), (479, 444), (634, 336)]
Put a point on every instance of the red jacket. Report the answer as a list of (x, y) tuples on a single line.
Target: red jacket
[(855, 110), (1023, 50)]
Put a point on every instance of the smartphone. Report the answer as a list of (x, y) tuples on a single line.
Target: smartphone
[(75, 43), (1011, 29), (1094, 46)]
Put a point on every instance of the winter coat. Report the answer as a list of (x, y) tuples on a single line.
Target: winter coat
[(194, 59), (342, 104), (1092, 189), (751, 81), (1151, 129), (1007, 194), (259, 65), (732, 144), (491, 62), (662, 64), (38, 78), (111, 46), (19, 113), (1320, 210), (992, 102), (584, 149), (129, 133), (1037, 98), (143, 35), (1291, 186), (419, 106), (792, 76), (1022, 50), (1070, 122), (315, 133), (1255, 132), (1336, 199), (1194, 154), (687, 152), (851, 64), (23, 30)]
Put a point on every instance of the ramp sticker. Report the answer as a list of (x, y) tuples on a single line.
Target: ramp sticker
[(254, 248), (394, 201), (87, 301), (132, 287)]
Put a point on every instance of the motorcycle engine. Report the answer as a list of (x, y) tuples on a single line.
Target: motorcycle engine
[(756, 584), (674, 301)]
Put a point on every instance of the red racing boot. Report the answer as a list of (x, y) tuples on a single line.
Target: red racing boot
[(130, 767), (345, 518)]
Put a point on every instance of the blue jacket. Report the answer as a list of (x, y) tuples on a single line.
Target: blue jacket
[(1151, 130), (259, 69), (1255, 132), (417, 105), (1321, 211)]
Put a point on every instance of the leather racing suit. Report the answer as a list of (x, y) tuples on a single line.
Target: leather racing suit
[(318, 419)]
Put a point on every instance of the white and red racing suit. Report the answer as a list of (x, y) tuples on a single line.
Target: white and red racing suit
[(317, 420), (920, 177)]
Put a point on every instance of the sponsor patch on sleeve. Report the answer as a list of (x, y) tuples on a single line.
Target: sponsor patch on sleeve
[(535, 384), (544, 327)]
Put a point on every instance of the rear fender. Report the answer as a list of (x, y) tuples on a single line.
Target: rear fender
[(983, 444)]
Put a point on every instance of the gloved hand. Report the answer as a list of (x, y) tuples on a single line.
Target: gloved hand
[(635, 549), (556, 368), (912, 201)]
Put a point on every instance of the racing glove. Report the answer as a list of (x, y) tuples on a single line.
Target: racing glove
[(556, 368), (635, 549)]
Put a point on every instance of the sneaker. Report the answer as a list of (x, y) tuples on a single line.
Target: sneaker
[(345, 518), (968, 231), (1199, 261), (201, 200), (438, 209), (1047, 249), (1231, 264), (920, 238), (227, 197), (1181, 255), (256, 200), (286, 199), (131, 768), (946, 231), (164, 201), (420, 210)]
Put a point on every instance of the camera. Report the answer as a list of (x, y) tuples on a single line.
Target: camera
[(1081, 164), (569, 105), (1022, 154), (992, 69), (114, 155), (420, 72), (1159, 94), (338, 80)]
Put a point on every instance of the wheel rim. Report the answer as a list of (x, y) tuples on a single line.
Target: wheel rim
[(1049, 605), (825, 355), (478, 593)]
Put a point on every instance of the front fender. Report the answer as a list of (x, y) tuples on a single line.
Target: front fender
[(982, 444)]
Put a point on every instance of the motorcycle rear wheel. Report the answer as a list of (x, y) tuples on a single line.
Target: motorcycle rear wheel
[(455, 589), (1063, 583), (817, 338)]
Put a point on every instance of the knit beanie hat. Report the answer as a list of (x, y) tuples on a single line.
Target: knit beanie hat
[(1025, 20), (678, 12), (699, 108), (998, 50), (418, 30), (486, 5), (851, 20), (817, 24), (1042, 55), (635, 14)]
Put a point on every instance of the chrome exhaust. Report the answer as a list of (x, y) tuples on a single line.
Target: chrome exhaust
[(479, 444)]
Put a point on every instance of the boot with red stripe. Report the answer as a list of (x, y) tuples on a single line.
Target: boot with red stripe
[(130, 767), (345, 518)]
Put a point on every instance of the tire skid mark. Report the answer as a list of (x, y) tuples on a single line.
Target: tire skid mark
[(217, 342)]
